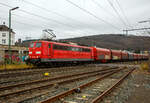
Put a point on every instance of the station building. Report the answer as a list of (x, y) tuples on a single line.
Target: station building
[(4, 35), (16, 52)]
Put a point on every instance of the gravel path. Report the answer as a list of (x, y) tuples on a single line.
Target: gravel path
[(40, 75), (135, 89)]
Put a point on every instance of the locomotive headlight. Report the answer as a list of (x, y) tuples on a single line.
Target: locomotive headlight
[(38, 52), (30, 52)]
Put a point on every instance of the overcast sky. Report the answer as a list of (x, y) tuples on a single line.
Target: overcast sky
[(75, 18)]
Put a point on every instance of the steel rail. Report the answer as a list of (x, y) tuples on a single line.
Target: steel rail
[(16, 69), (105, 93), (31, 68), (63, 94), (48, 92), (51, 84), (22, 72), (40, 71), (50, 79), (27, 70)]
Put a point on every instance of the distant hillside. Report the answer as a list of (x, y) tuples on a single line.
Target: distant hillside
[(114, 41)]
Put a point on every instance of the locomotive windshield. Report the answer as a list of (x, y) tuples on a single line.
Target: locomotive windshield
[(31, 45), (38, 45)]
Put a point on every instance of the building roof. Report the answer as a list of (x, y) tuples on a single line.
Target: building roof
[(5, 28)]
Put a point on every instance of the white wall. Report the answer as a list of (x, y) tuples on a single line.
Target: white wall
[(7, 38)]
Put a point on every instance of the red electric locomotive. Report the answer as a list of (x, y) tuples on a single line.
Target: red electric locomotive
[(47, 52)]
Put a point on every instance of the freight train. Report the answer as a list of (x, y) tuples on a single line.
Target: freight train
[(54, 53)]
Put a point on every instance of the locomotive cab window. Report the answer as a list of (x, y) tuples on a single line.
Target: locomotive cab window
[(86, 50), (31, 45), (60, 47), (38, 45), (49, 45)]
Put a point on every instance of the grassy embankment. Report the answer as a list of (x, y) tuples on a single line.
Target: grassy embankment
[(15, 66), (145, 65)]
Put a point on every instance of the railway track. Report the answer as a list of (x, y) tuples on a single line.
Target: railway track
[(107, 91), (91, 92), (21, 72), (40, 68), (13, 77), (50, 79), (23, 91), (32, 68)]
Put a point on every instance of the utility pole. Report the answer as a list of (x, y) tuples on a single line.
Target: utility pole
[(135, 30), (126, 32), (10, 30), (144, 21)]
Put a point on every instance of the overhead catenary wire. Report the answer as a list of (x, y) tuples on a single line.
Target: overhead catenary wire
[(42, 17), (22, 22), (144, 26), (58, 14), (36, 26), (111, 4), (123, 13), (45, 18), (101, 7), (50, 11), (105, 10), (18, 22), (88, 12)]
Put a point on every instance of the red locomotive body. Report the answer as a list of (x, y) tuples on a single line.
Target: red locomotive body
[(45, 51), (35, 50)]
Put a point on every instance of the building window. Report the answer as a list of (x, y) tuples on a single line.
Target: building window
[(3, 41), (3, 34)]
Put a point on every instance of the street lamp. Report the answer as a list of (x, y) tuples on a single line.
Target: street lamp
[(9, 48)]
